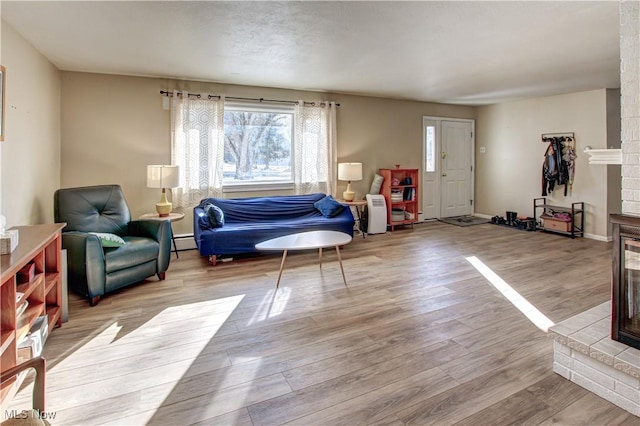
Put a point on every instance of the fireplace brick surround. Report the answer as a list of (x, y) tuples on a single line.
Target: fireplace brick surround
[(583, 349), (584, 353)]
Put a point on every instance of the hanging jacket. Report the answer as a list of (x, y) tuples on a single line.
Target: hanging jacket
[(549, 171), (563, 167), (555, 170), (569, 156)]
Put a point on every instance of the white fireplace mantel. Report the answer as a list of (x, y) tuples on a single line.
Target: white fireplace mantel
[(604, 156)]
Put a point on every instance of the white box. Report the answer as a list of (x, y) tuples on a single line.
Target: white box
[(41, 328), (8, 241), (36, 337)]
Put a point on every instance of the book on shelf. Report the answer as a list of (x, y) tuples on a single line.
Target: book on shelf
[(409, 194)]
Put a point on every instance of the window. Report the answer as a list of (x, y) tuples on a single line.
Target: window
[(430, 149), (258, 147), (227, 147)]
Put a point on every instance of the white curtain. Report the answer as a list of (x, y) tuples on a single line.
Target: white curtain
[(315, 155), (197, 146)]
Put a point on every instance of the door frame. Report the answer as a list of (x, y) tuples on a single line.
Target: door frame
[(438, 149)]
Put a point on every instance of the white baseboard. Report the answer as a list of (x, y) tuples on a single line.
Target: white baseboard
[(185, 242), (598, 237)]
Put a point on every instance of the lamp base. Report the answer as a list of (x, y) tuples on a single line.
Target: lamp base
[(164, 206), (348, 194)]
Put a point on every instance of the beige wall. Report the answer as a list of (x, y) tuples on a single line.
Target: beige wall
[(113, 126), (381, 133), (30, 153), (508, 175)]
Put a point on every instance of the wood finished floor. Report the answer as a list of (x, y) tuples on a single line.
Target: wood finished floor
[(418, 336)]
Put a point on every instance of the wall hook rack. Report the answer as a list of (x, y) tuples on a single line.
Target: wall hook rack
[(563, 137)]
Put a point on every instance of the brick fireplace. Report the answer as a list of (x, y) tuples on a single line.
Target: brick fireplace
[(584, 353)]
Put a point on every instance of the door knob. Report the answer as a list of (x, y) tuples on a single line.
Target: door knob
[(444, 174), (444, 155)]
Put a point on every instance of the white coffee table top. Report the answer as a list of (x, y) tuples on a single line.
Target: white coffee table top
[(306, 240)]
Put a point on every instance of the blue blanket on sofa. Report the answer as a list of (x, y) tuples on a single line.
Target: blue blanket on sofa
[(248, 221)]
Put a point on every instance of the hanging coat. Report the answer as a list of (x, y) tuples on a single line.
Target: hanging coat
[(549, 171), (554, 168), (569, 156)]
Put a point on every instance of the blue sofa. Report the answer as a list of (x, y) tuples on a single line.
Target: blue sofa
[(248, 221)]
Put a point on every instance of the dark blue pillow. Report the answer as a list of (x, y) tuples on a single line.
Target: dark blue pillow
[(203, 219), (215, 215), (328, 206)]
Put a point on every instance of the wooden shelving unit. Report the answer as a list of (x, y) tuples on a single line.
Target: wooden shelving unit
[(40, 245), (542, 210), (409, 202)]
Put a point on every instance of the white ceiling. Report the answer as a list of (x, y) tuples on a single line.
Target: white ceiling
[(457, 52)]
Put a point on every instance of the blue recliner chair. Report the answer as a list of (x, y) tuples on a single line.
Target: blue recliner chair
[(94, 270)]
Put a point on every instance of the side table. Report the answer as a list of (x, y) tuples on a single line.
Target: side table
[(172, 217), (357, 204)]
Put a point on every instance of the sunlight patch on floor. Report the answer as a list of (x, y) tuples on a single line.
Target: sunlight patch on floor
[(97, 339), (539, 319), (272, 304), (137, 361), (201, 319)]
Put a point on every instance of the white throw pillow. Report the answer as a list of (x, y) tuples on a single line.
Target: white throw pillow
[(376, 184)]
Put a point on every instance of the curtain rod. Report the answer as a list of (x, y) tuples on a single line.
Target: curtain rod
[(235, 98)]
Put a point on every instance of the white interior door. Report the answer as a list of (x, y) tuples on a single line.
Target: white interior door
[(455, 168)]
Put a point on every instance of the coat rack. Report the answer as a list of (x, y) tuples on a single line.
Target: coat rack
[(559, 165), (558, 137)]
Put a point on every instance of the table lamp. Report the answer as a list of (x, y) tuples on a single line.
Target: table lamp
[(160, 176), (349, 172)]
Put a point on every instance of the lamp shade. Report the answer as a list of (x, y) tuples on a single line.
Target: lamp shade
[(350, 171), (160, 176)]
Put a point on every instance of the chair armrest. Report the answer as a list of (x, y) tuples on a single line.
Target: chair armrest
[(86, 264), (38, 364), (149, 229), (159, 230)]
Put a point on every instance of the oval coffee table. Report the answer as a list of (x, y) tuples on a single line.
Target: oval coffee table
[(306, 241)]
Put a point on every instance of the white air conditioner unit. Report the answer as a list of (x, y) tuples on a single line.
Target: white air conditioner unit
[(377, 218)]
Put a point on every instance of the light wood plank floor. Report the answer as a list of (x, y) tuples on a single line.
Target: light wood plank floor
[(418, 336)]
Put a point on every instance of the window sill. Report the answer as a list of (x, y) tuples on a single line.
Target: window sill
[(256, 187)]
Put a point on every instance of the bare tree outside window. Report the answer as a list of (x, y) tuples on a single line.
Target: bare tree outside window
[(257, 146)]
